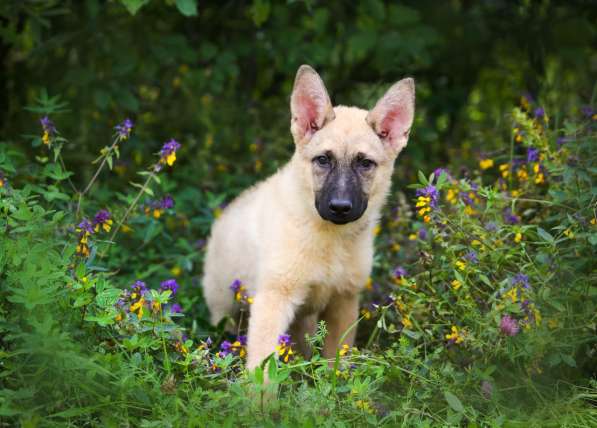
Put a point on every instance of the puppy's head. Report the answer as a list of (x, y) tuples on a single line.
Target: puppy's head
[(347, 154)]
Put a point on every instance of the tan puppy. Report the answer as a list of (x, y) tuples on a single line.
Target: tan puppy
[(302, 240)]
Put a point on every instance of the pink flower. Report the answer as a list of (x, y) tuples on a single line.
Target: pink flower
[(509, 326)]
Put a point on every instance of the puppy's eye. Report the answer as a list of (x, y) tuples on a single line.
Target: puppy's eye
[(366, 163), (313, 126), (323, 160)]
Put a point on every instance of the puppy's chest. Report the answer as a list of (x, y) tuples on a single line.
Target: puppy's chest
[(332, 270)]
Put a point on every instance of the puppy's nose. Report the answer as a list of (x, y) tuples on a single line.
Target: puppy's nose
[(340, 206)]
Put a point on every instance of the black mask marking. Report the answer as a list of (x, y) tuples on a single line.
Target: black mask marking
[(341, 199)]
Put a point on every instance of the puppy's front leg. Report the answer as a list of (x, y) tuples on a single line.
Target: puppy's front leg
[(271, 315), (339, 315)]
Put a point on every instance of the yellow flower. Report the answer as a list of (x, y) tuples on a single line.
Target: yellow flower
[(344, 350), (454, 335), (468, 210), (569, 233), (217, 212), (395, 247), (456, 284), (460, 264), (138, 307), (126, 228), (451, 195), (176, 271), (369, 284), (118, 317), (376, 230), (515, 193), (46, 138), (366, 313), (505, 170), (486, 163), (171, 158), (476, 243), (157, 213), (540, 178), (518, 237), (412, 237), (512, 294), (522, 174), (258, 165), (594, 221), (406, 322)]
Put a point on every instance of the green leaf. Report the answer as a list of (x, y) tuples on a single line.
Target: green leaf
[(454, 402), (133, 6), (187, 7), (545, 235), (422, 178)]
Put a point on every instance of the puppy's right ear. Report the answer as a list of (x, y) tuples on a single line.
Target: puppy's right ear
[(310, 105)]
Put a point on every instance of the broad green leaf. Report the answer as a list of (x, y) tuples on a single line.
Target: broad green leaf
[(187, 7), (454, 402)]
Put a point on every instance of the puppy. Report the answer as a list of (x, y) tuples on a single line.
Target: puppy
[(302, 240)]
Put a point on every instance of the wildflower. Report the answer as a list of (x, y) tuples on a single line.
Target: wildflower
[(175, 308), (471, 257), (509, 326), (491, 227), (85, 229), (485, 163), (137, 307), (284, 348), (238, 347), (518, 237), (412, 237), (569, 233), (504, 170), (520, 279), (345, 349), (48, 128), (522, 173), (427, 199), (169, 284), (438, 172), (406, 322), (460, 264), (181, 348), (364, 405), (540, 114), (369, 284), (123, 130), (376, 230), (240, 294), (102, 220), (451, 195), (456, 284), (366, 313), (588, 112), (422, 234), (168, 152), (138, 289), (510, 217), (454, 336), (2, 180), (532, 155)]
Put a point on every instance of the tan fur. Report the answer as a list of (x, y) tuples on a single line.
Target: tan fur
[(297, 266)]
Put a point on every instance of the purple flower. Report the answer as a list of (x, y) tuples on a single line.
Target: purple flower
[(539, 112), (509, 326), (47, 125), (521, 279), (510, 217), (225, 348), (101, 217), (175, 308), (167, 202), (471, 256), (284, 340), (438, 172), (400, 272), (532, 155), (242, 339), (139, 287), (124, 129), (169, 148), (561, 141), (85, 226), (169, 284), (587, 111), (491, 227), (422, 234), (236, 285), (431, 192)]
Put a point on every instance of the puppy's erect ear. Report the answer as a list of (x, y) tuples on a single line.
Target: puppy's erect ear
[(392, 116), (310, 105)]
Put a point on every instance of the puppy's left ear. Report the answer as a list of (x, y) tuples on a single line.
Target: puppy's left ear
[(393, 115), (310, 105)]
